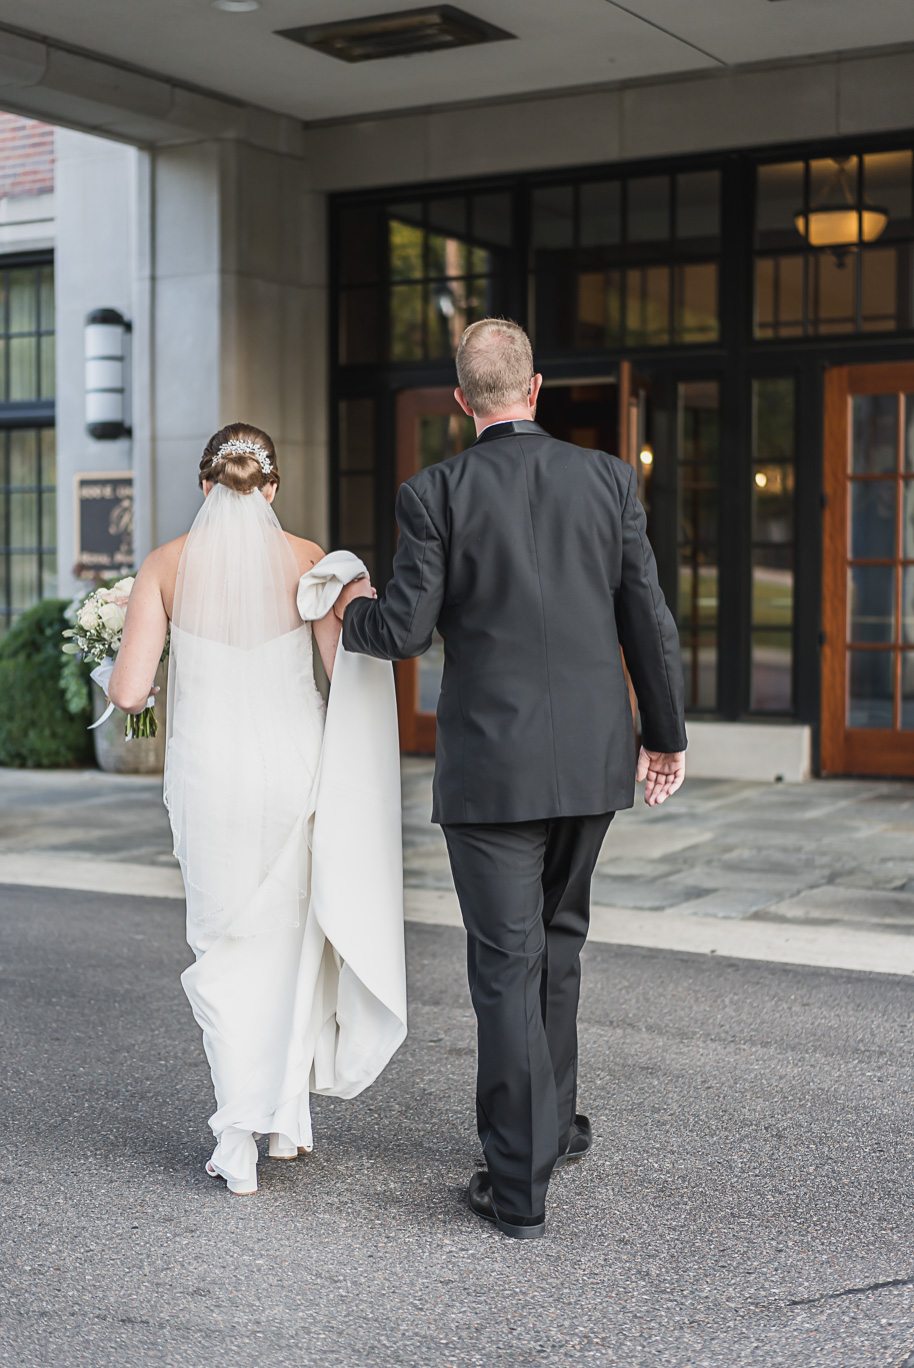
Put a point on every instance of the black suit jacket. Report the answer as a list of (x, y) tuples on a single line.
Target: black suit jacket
[(530, 557)]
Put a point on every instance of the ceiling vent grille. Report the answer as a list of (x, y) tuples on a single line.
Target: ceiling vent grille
[(396, 35)]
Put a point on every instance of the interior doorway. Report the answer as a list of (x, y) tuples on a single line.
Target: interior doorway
[(868, 571)]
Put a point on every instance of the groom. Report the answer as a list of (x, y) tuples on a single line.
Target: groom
[(529, 555)]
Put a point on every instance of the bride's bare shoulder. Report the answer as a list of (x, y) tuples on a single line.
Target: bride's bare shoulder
[(307, 553), (164, 559)]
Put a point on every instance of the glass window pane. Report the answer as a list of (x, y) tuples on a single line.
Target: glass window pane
[(698, 588), (406, 307), (873, 507), (448, 217), (447, 303), (359, 324), (49, 519), (772, 503), (442, 435), (774, 419), (648, 217), (553, 217), (23, 301), (830, 180), (870, 689), (492, 220), (49, 576), (23, 448), (361, 244), (698, 205), (3, 394), (23, 354), (772, 587), (601, 214), (874, 440), (647, 318), (406, 240), (779, 196), (23, 573), (765, 301), (887, 183), (599, 309), (4, 497), (46, 361), (696, 303), (833, 293), (46, 298), (871, 604), (907, 521), (23, 520), (771, 687), (907, 605), (357, 435), (448, 253), (556, 292), (907, 690), (357, 524), (880, 289), (779, 297), (699, 664), (698, 515), (49, 456)]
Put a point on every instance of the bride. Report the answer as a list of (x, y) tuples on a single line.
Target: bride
[(298, 981)]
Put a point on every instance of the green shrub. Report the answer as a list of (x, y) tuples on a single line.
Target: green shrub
[(37, 728)]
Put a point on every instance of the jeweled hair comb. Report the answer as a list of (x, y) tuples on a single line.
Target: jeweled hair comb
[(240, 446)]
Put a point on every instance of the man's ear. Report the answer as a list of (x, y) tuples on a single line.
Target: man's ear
[(461, 400), (533, 392)]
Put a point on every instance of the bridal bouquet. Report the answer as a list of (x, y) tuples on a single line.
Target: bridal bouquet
[(98, 625)]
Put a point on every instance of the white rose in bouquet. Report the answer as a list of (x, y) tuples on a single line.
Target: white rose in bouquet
[(112, 616)]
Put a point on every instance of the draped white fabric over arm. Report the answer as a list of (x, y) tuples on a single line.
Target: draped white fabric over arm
[(357, 866)]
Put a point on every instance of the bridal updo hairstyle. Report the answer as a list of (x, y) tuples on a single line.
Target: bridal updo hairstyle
[(240, 471)]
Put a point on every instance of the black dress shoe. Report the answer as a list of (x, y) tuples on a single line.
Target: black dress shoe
[(479, 1196), (580, 1142)]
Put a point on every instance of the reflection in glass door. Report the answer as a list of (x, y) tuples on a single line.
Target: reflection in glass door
[(868, 656), (430, 428)]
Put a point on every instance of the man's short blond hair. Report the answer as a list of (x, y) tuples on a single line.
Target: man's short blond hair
[(494, 365)]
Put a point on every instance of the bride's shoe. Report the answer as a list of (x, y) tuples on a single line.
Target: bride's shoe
[(240, 1187), (280, 1147)]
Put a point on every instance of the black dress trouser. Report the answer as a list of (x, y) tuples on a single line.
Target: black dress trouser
[(524, 891)]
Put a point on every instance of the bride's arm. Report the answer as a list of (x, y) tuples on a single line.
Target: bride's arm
[(143, 640), (327, 635)]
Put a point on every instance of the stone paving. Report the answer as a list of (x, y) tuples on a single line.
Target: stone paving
[(837, 852)]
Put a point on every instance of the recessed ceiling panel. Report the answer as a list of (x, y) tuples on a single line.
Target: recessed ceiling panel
[(559, 44)]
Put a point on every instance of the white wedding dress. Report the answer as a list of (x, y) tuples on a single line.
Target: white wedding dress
[(286, 823)]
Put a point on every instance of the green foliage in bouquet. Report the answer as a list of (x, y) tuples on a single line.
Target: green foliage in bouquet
[(35, 731)]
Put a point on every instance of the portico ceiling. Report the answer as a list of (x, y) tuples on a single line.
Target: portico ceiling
[(560, 44)]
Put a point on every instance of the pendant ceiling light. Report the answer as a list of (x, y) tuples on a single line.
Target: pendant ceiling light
[(836, 220)]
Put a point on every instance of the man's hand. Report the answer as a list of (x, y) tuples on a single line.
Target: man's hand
[(663, 773), (359, 588)]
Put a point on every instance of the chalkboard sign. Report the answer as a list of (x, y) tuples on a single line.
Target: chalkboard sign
[(104, 524)]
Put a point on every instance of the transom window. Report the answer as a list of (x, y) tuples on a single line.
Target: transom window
[(858, 280), (626, 262), (415, 273)]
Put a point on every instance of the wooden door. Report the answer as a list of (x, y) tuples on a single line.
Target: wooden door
[(868, 571), (430, 428)]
